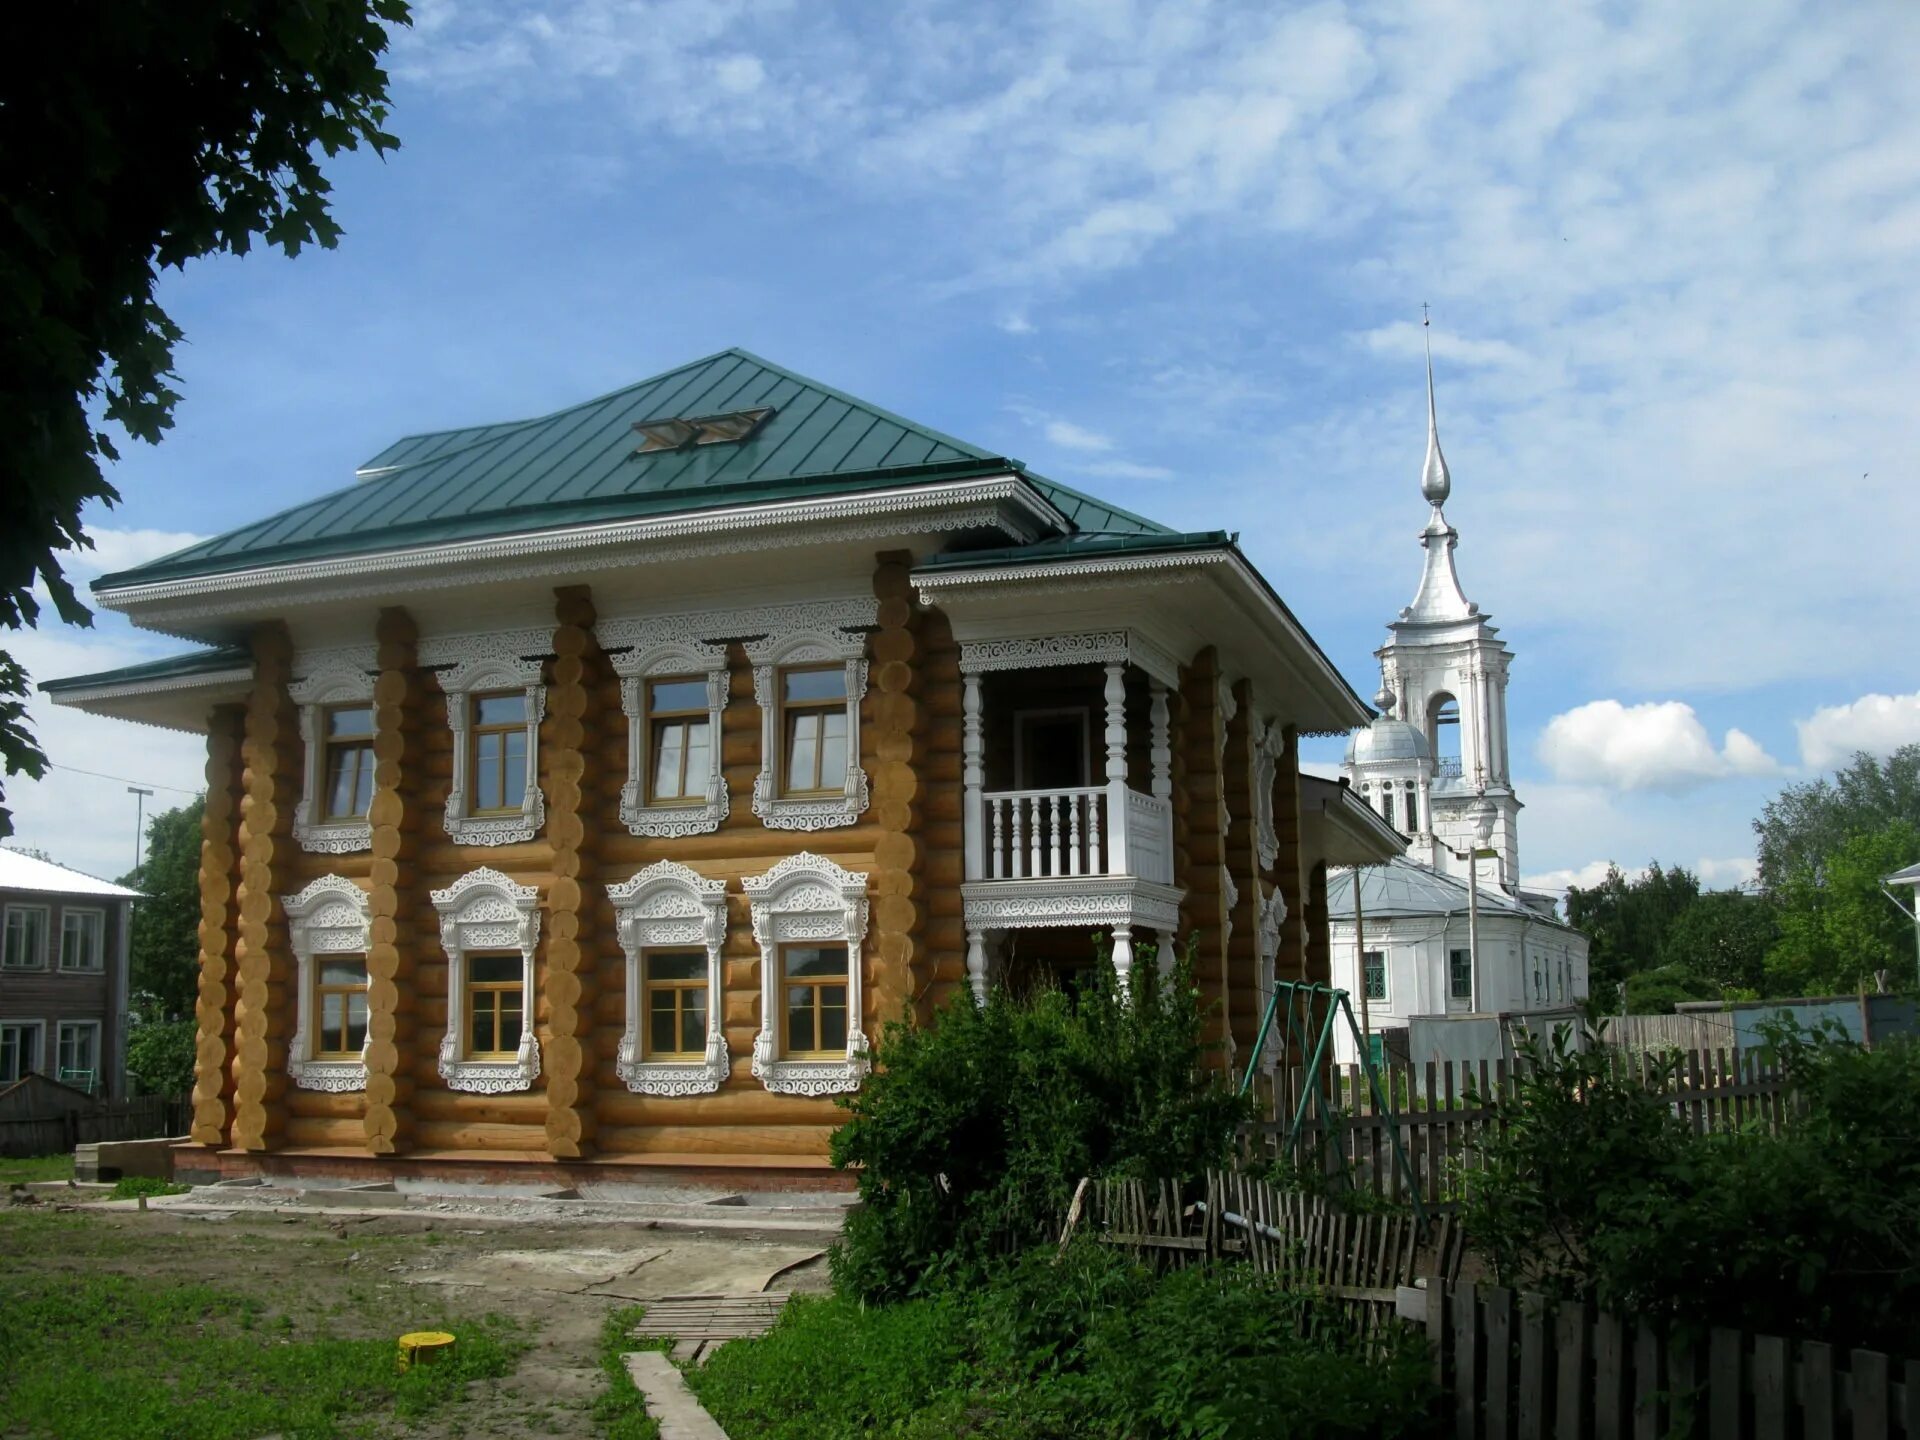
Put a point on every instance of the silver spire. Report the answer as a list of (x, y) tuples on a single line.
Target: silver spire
[(1435, 483)]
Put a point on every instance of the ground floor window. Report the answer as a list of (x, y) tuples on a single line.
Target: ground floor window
[(496, 1005), (79, 1057), (675, 995), (1373, 966), (1460, 975), (340, 1007), (815, 980), (19, 1049)]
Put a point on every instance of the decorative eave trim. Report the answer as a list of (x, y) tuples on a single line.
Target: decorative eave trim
[(1085, 900), (1008, 500), (1046, 573), (1098, 647)]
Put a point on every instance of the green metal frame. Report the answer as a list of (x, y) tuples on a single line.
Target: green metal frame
[(1307, 992)]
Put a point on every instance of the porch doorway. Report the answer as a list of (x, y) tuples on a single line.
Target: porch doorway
[(1053, 749)]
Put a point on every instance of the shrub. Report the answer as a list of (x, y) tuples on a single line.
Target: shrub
[(160, 1056), (971, 1134), (1589, 1185)]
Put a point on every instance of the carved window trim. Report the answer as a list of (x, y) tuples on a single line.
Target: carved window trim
[(669, 905), (1273, 914), (331, 677), (816, 633), (331, 916), (477, 664), (484, 910), (807, 897), (1267, 750), (662, 647)]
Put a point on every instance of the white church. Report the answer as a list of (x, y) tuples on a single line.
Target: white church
[(1426, 935)]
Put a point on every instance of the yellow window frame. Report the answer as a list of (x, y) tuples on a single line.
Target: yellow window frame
[(815, 983)]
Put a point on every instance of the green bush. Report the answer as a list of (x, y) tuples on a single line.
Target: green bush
[(160, 1057), (130, 1187), (971, 1134), (1092, 1345), (1590, 1185)]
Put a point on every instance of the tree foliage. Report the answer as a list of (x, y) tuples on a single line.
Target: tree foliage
[(1837, 930), (164, 958), (160, 1057), (1628, 923), (1805, 823), (133, 138), (971, 1133)]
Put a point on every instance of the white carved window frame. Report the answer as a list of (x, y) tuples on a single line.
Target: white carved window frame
[(1273, 914), (818, 633), (329, 677), (478, 665), (807, 899), (484, 910), (662, 648), (668, 905), (332, 916), (1267, 750)]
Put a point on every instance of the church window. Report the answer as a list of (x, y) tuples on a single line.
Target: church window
[(1374, 971), (1386, 803), (1443, 727), (1413, 809), (1460, 975)]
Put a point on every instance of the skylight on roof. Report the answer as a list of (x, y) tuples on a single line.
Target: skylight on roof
[(673, 433)]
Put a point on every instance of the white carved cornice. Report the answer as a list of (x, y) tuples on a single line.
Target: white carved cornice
[(339, 676), (484, 910), (668, 904), (1087, 901), (808, 898), (331, 916), (471, 664), (1092, 647)]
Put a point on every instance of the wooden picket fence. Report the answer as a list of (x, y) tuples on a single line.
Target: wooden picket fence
[(138, 1117), (1522, 1367), (1439, 1112), (1358, 1262)]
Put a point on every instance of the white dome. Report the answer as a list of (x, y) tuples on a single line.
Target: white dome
[(1387, 740)]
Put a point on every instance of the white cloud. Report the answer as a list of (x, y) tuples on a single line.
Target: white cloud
[(1713, 874), (1123, 470), (115, 549), (1877, 724), (1069, 436), (1728, 874), (1403, 338), (1016, 322), (1660, 745)]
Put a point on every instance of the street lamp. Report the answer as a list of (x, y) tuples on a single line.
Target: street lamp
[(140, 798)]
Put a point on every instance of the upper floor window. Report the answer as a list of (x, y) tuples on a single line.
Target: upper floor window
[(673, 688), (348, 766), (335, 696), (813, 722), (1413, 808), (497, 763), (26, 937), (679, 741), (83, 940), (1460, 975), (1374, 966), (1386, 802)]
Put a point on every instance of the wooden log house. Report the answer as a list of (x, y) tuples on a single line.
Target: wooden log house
[(590, 791)]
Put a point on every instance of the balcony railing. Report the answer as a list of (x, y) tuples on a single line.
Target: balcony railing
[(1050, 834)]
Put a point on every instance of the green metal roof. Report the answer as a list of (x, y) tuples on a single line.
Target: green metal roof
[(1081, 547), (578, 466), (173, 667)]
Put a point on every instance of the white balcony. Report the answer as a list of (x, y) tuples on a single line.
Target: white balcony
[(1054, 848)]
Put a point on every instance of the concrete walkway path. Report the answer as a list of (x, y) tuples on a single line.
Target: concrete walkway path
[(669, 1401)]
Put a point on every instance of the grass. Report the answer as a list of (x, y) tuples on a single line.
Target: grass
[(621, 1413), (128, 1187), (111, 1356), (38, 1167)]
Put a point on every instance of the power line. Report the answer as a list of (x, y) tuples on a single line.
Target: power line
[(124, 780)]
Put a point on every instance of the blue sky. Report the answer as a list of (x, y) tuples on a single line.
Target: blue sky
[(1176, 254)]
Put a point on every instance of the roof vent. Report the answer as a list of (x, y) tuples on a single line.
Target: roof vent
[(677, 434)]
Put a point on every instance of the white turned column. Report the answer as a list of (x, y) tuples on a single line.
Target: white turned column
[(977, 965), (1117, 784), (1162, 743), (1123, 958), (974, 777)]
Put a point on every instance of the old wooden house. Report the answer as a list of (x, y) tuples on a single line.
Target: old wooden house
[(595, 788)]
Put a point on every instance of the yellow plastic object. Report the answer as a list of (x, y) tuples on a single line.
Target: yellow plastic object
[(425, 1347)]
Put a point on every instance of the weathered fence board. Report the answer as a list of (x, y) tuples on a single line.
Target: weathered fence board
[(140, 1117)]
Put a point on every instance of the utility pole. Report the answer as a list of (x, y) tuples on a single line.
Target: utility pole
[(140, 798)]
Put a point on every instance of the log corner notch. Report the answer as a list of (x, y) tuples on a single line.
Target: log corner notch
[(219, 927), (263, 965), (897, 969), (387, 1121), (574, 919), (1202, 796)]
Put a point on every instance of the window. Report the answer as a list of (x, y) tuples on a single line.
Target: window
[(675, 997), (679, 734), (335, 696), (340, 1007), (79, 1053), (1413, 809), (496, 697), (348, 764), (813, 720), (674, 433), (815, 981), (497, 769), (26, 939), (1386, 802), (1443, 733), (83, 940), (1374, 968), (1460, 975), (496, 1006), (489, 1047), (19, 1049), (809, 919)]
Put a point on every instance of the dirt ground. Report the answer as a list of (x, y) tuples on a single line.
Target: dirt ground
[(385, 1274)]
